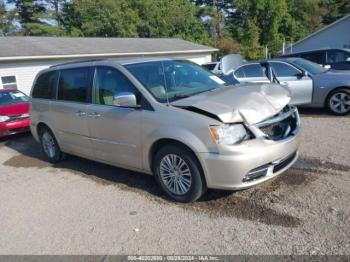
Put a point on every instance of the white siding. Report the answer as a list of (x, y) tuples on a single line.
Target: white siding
[(26, 72)]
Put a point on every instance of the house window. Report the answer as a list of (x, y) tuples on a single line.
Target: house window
[(9, 82)]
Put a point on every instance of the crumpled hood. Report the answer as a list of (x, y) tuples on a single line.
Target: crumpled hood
[(250, 103)]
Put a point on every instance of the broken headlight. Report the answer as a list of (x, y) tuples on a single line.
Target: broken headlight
[(229, 134)]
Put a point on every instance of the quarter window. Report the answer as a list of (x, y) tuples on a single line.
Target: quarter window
[(9, 82), (284, 70), (336, 56), (252, 70), (74, 84), (109, 82), (45, 85)]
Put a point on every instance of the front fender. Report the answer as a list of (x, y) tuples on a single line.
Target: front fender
[(181, 135)]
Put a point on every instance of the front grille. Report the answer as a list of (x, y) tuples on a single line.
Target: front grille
[(284, 162), (280, 126)]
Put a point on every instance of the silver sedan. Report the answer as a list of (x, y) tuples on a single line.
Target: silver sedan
[(311, 85)]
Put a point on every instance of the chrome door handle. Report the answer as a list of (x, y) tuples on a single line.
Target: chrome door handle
[(95, 115), (80, 113)]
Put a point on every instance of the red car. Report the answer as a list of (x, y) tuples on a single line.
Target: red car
[(14, 112)]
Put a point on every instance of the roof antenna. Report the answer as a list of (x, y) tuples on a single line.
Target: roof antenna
[(166, 88)]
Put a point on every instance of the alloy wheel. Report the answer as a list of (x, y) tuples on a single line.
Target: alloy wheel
[(340, 102), (49, 145), (175, 174)]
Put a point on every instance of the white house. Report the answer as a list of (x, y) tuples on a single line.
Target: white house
[(335, 35), (21, 58)]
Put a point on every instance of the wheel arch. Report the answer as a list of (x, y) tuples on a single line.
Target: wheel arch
[(158, 144), (334, 90)]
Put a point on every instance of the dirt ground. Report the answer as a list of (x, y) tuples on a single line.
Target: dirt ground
[(82, 207)]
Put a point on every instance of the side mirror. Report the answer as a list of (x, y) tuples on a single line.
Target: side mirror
[(302, 74), (125, 99)]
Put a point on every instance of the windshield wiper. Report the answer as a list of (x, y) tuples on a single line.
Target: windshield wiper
[(179, 96)]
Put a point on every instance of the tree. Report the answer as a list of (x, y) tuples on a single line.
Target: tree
[(334, 10), (104, 18), (213, 14), (172, 18), (257, 24), (6, 20), (134, 18), (300, 22), (226, 45), (28, 14)]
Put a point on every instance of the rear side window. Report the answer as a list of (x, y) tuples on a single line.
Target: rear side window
[(253, 70), (317, 57), (45, 85), (74, 84), (334, 56)]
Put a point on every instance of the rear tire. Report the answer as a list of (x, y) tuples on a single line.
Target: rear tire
[(338, 102), (49, 146), (179, 173)]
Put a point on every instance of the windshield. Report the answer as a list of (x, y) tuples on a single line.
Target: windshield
[(12, 97), (309, 66), (174, 79)]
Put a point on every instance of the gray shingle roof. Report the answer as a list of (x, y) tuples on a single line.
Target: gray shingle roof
[(63, 46)]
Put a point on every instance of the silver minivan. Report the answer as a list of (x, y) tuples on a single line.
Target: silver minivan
[(166, 117)]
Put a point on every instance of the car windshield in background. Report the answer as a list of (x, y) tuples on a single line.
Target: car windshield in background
[(308, 66), (174, 78), (209, 66), (12, 97)]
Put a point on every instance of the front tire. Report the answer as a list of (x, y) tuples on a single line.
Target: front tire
[(179, 173), (49, 146), (338, 102)]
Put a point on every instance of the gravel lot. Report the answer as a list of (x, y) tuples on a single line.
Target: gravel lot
[(83, 207)]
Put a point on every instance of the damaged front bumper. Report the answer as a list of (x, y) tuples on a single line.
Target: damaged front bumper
[(273, 150)]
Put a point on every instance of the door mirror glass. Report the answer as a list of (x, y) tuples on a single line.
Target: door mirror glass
[(125, 99)]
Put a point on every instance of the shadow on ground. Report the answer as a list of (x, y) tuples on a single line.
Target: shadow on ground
[(256, 204)]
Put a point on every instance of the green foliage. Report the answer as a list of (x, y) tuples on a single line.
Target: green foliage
[(134, 18), (104, 18), (334, 10), (6, 25), (28, 12), (172, 18)]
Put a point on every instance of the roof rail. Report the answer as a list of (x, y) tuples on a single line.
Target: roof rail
[(77, 61)]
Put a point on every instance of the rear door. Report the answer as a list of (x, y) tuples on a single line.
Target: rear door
[(69, 111), (251, 73), (301, 86), (115, 131)]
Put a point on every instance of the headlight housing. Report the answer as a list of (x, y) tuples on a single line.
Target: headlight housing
[(3, 118), (229, 134)]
